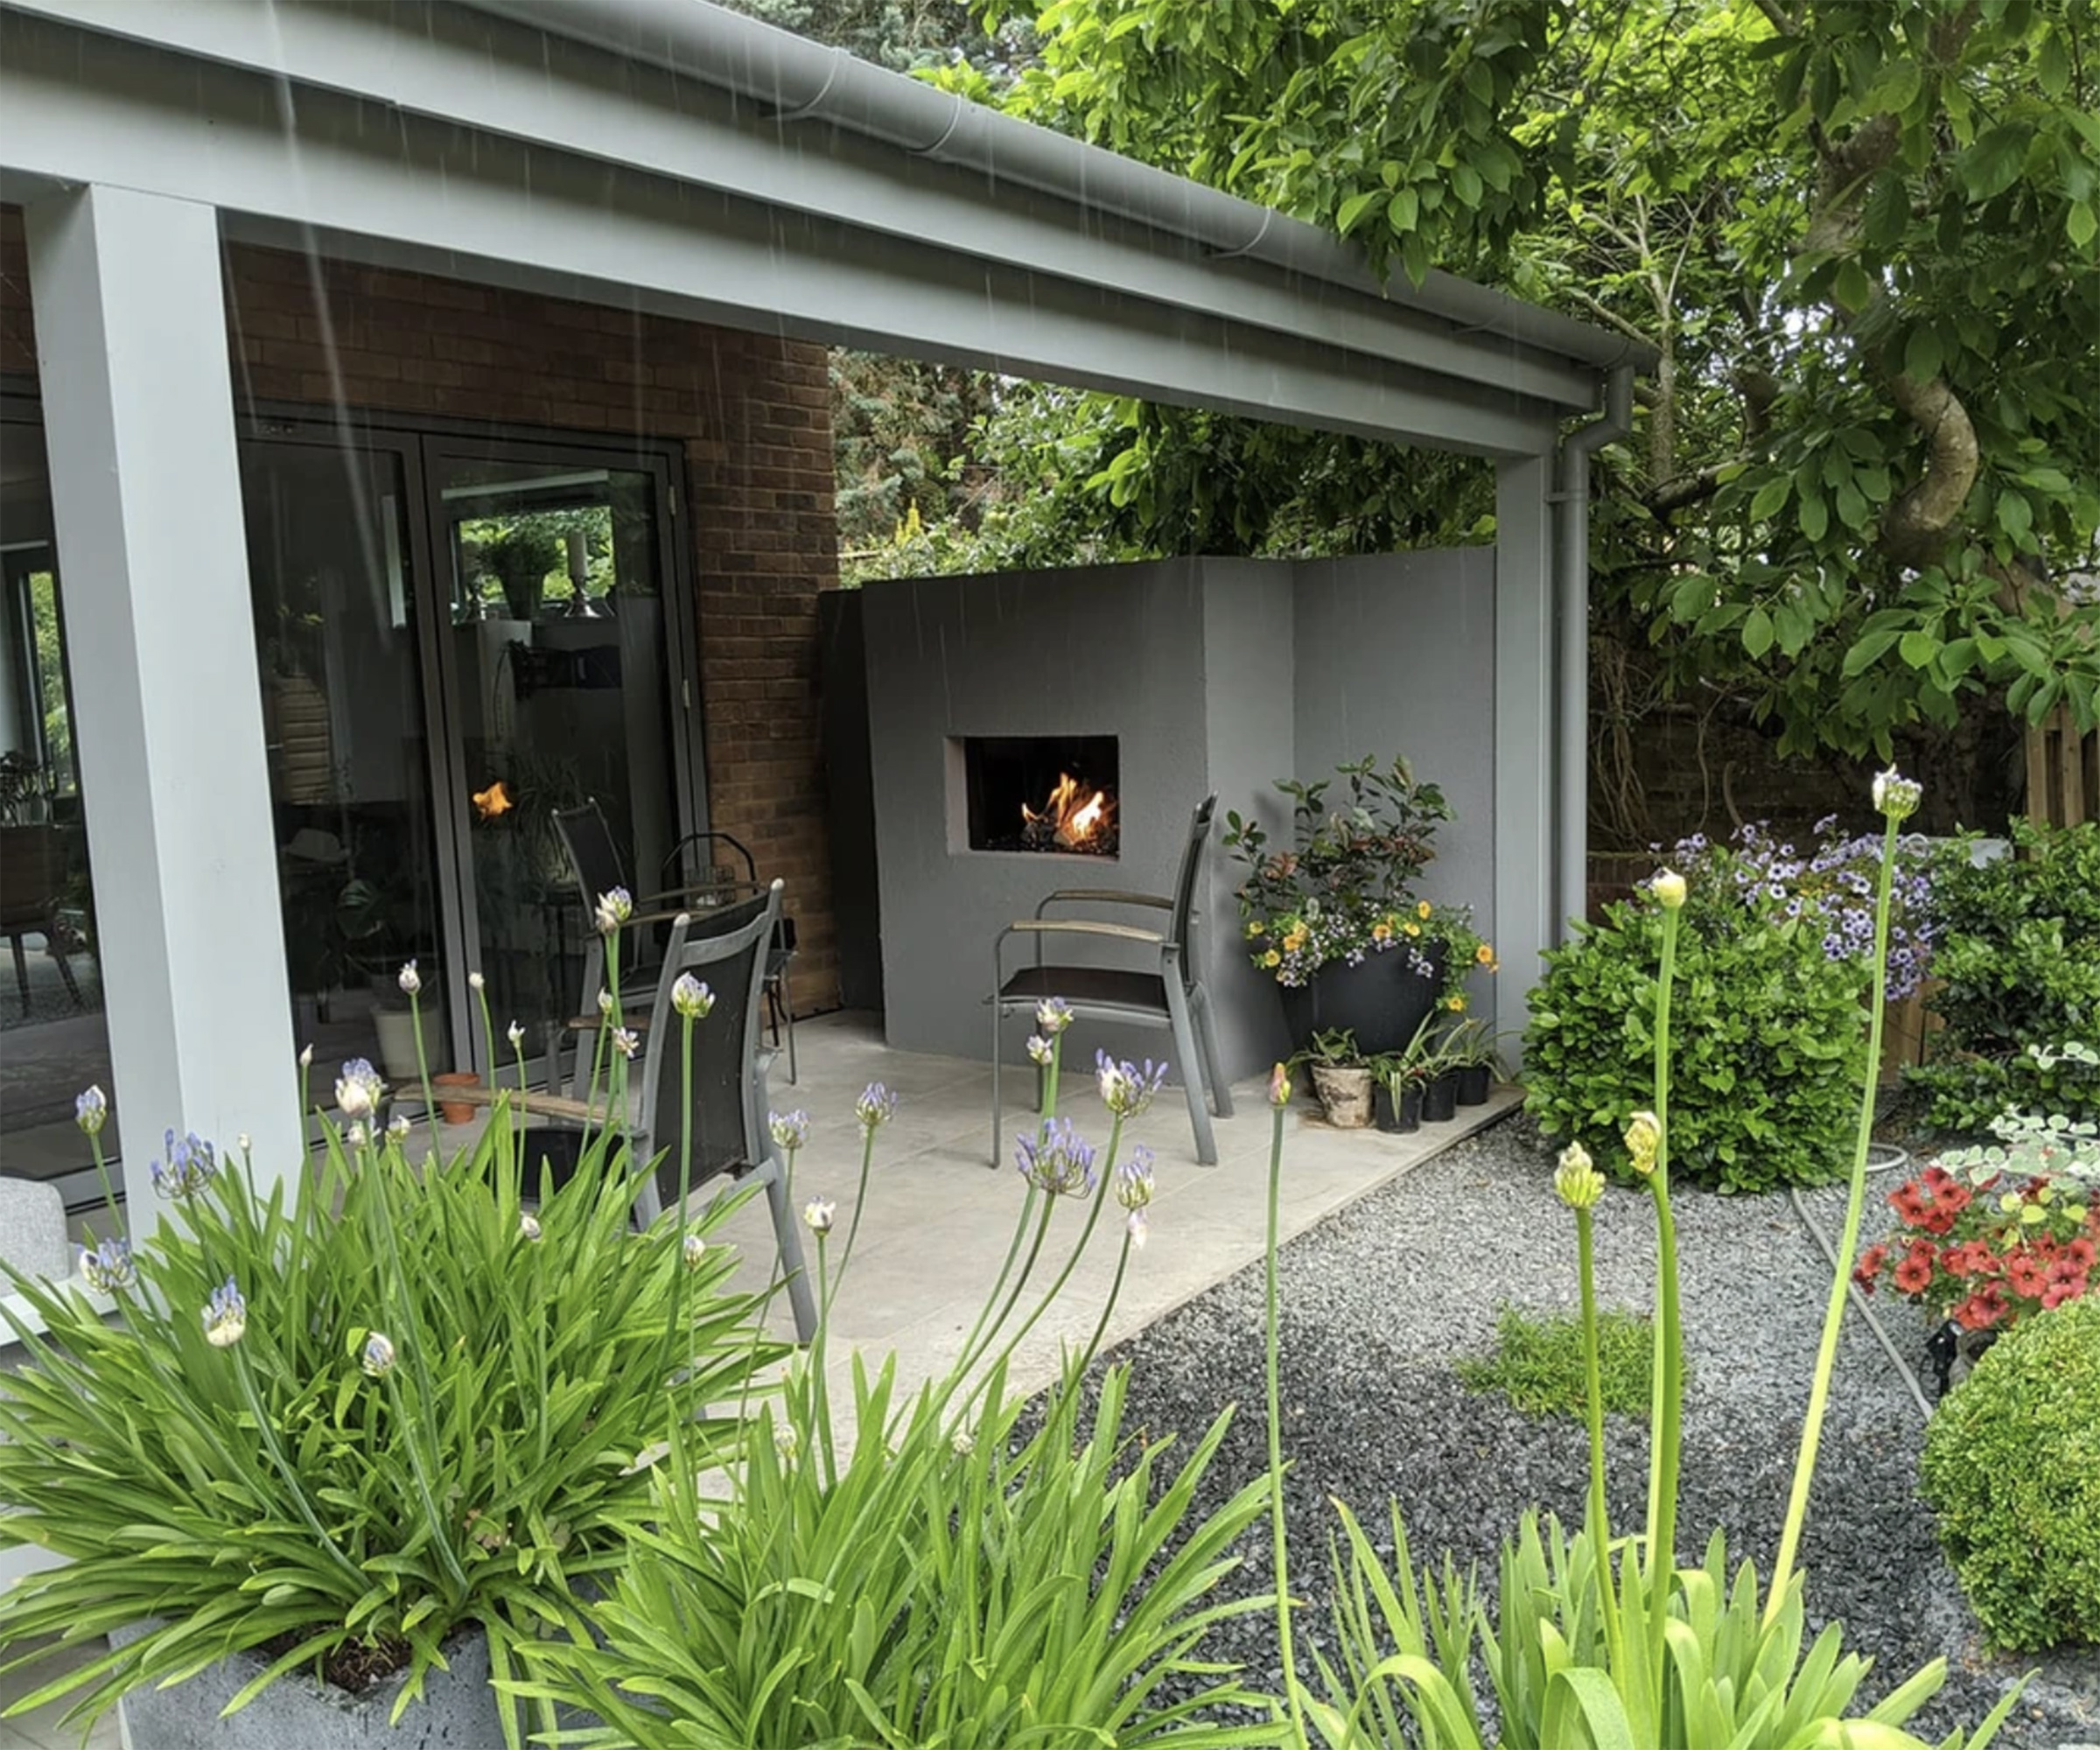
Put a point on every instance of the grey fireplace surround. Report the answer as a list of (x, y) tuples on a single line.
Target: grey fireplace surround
[(1220, 674)]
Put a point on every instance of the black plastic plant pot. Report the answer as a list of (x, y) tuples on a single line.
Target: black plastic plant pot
[(1475, 1080), (1440, 1103), (1401, 1119)]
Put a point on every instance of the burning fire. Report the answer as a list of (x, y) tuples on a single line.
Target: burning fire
[(1071, 816)]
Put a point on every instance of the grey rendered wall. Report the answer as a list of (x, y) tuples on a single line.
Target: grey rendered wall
[(1249, 638), (1396, 654), (1101, 651)]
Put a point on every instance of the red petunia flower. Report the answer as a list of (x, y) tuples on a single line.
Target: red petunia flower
[(1939, 1221), (1909, 1203), (1981, 1310), (2057, 1293), (1914, 1274), (1955, 1260), (1937, 1176), (1952, 1198), (2027, 1274), (2081, 1252), (2063, 1272), (1869, 1266)]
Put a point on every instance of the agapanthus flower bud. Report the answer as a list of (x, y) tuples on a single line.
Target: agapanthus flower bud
[(245, 1143), (1058, 1161), (790, 1130), (1896, 796), (378, 1359), (1040, 1050), (358, 1088), (1053, 1016), (1126, 1090), (604, 1003), (515, 1034), (1134, 1178), (876, 1106), (817, 1213), (1136, 1226), (690, 997), (962, 1442), (613, 910), (692, 1249), (1668, 889), (627, 1042), (226, 1318), (91, 1112), (355, 1135), (475, 981), (397, 1126), (410, 980), (189, 1167), (786, 1443), (1643, 1138), (109, 1266), (1576, 1180), (1279, 1085), (529, 1227), (306, 1057)]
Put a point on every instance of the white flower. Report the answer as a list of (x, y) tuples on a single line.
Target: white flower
[(1039, 1050), (245, 1143), (690, 997), (786, 1443), (397, 1126), (306, 1057), (1668, 889), (1897, 796), (516, 1036), (379, 1356), (226, 1318), (1053, 1016), (818, 1213), (613, 910), (476, 982), (410, 980), (963, 1443), (529, 1227), (604, 1003), (355, 1136), (627, 1042), (694, 1248)]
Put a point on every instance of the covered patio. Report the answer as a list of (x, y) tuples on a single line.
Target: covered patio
[(692, 186)]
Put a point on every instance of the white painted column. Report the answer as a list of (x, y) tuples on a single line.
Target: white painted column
[(145, 488), (1524, 764)]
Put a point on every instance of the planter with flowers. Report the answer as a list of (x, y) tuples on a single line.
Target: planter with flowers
[(2012, 1230), (1334, 917)]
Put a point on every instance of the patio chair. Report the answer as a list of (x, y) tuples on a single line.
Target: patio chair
[(1166, 991), (779, 956), (724, 947), (31, 883)]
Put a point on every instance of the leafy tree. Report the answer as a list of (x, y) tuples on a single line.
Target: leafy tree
[(1862, 233)]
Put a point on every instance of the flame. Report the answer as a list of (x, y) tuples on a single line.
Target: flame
[(493, 802), (1072, 820)]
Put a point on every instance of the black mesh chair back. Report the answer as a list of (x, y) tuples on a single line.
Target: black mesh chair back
[(724, 947), (592, 852)]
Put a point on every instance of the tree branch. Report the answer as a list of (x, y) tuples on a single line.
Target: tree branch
[(1606, 314), (1674, 495), (1916, 526)]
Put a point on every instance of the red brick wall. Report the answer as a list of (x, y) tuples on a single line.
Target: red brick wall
[(753, 416)]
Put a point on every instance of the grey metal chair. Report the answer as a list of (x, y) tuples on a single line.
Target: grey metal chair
[(1166, 991), (725, 948)]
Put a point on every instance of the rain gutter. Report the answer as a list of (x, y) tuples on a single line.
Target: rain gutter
[(1571, 592), (803, 81)]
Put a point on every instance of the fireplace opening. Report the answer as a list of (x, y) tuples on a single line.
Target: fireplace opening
[(1041, 793)]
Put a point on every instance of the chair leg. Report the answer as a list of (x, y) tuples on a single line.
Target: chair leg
[(54, 943), (787, 1022), (1192, 1075), (1213, 1070), (788, 1234), (21, 971), (996, 1114)]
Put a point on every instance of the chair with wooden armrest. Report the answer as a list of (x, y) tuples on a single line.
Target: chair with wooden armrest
[(1163, 987), (779, 956), (724, 948)]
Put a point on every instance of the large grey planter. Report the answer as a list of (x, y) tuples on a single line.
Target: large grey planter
[(457, 1711)]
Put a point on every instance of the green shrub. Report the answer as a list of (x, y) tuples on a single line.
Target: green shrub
[(1769, 1039), (2018, 961), (2011, 1467), (1537, 1363)]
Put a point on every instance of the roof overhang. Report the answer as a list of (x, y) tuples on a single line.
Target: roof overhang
[(645, 169)]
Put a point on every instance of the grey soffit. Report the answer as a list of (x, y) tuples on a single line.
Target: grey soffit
[(452, 91)]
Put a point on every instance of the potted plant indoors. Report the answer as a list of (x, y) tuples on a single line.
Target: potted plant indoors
[(343, 1451), (1334, 917), (1341, 1078)]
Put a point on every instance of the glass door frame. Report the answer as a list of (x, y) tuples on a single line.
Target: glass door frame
[(421, 444)]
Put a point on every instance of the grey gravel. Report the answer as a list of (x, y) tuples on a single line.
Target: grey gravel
[(1380, 1298)]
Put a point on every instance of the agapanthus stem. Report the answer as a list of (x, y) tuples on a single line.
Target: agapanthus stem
[(423, 1069), (1668, 1406), (818, 1349), (860, 1196), (440, 1532), (1108, 1306), (1833, 1317), (677, 1327), (488, 1036), (1294, 1705), (1593, 1371)]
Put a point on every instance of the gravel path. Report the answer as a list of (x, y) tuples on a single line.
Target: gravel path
[(1381, 1297)]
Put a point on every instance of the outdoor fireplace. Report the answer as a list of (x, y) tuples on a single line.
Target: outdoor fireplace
[(1054, 794)]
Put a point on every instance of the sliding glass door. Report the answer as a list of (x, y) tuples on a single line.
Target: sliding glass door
[(458, 639)]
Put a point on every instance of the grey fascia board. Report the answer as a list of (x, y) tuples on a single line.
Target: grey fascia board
[(882, 150), (94, 107)]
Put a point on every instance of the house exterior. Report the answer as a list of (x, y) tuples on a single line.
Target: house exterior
[(414, 424)]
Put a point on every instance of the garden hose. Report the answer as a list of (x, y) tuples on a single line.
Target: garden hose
[(1822, 1244)]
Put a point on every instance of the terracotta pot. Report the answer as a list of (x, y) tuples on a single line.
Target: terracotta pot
[(1345, 1096), (456, 1111)]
